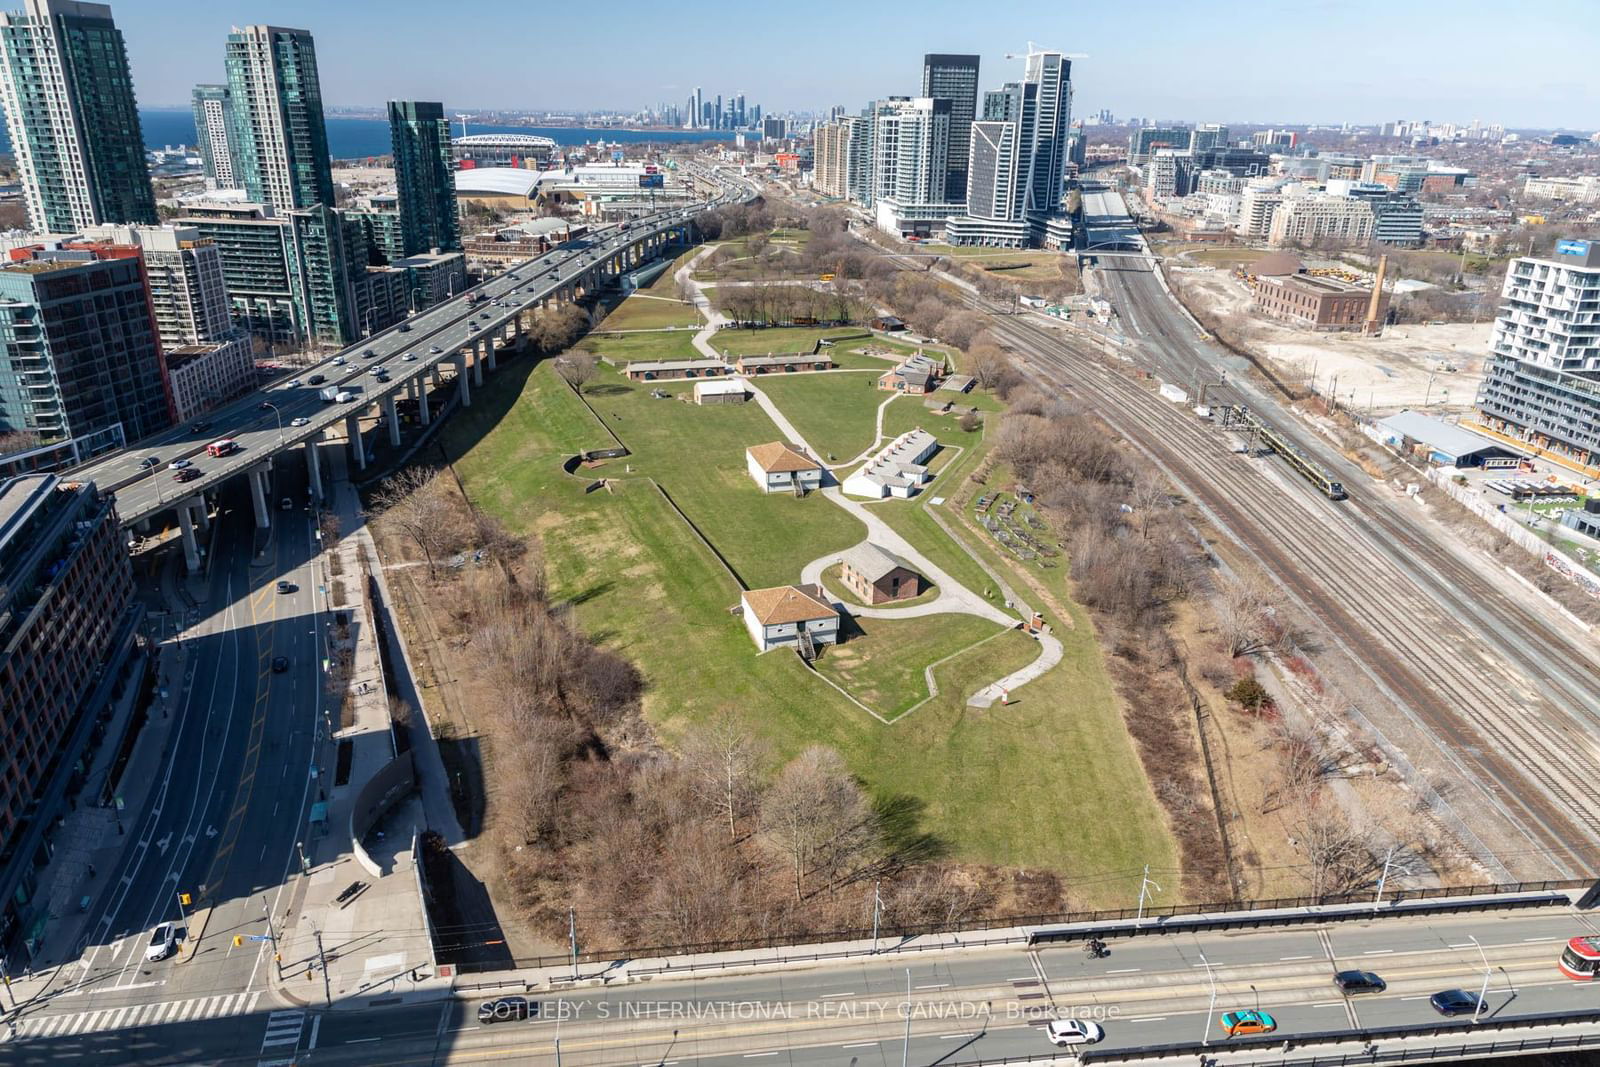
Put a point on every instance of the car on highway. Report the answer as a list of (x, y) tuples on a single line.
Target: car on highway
[(1454, 1002), (316, 379), (409, 357), (199, 427), (507, 1009), (435, 349), (1073, 1032), (149, 461), (163, 943), (299, 420), (472, 326), (370, 353), (1351, 983), (380, 375), (1242, 1023), (405, 327), (280, 664), (286, 504), (187, 474), (286, 587)]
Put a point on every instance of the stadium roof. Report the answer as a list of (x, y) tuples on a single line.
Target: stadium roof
[(496, 181), (509, 140)]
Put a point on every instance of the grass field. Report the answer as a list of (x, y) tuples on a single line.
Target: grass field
[(882, 661), (837, 413), (648, 311), (994, 786), (1031, 266), (631, 347), (737, 342)]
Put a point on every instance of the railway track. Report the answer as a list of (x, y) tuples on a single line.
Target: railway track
[(1431, 665)]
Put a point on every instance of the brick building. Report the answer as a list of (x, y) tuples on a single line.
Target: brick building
[(1320, 303)]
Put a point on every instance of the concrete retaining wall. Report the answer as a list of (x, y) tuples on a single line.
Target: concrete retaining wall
[(383, 790)]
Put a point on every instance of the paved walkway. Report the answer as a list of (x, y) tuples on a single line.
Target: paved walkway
[(953, 596)]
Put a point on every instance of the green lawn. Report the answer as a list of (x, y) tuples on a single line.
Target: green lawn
[(646, 311), (737, 342), (632, 347), (837, 413), (882, 661), (1001, 785)]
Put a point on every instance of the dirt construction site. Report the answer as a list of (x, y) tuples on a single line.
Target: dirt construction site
[(1437, 366)]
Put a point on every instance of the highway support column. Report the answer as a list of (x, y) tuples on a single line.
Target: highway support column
[(422, 397), (352, 430), (476, 348), (461, 379), (314, 468), (488, 348), (392, 415), (191, 550), (258, 494)]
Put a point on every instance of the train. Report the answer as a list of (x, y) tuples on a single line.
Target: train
[(1240, 419)]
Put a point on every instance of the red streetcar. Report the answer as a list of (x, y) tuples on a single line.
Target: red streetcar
[(1581, 959)]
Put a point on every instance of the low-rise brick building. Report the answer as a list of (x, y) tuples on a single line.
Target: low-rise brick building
[(1320, 303)]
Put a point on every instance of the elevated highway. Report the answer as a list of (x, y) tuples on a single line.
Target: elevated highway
[(376, 372)]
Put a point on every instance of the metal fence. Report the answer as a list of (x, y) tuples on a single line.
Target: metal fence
[(1151, 915)]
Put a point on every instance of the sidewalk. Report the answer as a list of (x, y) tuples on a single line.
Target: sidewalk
[(358, 932)]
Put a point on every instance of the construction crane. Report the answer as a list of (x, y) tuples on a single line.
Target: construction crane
[(463, 119), (1034, 49)]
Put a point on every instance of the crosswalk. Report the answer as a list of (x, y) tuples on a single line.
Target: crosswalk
[(161, 1014), (283, 1028)]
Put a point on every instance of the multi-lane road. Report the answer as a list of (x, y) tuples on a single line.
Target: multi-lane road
[(377, 369), (232, 790), (964, 1006)]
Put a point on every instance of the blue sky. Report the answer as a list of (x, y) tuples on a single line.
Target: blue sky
[(1267, 61)]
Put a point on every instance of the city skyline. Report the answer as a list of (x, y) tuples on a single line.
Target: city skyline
[(1450, 68)]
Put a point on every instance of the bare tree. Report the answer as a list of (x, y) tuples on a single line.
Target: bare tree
[(986, 361), (1148, 498), (577, 369), (1247, 615), (817, 817), (506, 549), (18, 441), (726, 764), (412, 503)]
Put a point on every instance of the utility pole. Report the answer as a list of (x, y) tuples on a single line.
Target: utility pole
[(572, 939), (877, 913), (322, 961), (905, 1047), (183, 898), (277, 956), (1382, 878), (1144, 891)]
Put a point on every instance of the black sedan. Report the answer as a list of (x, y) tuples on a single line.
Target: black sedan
[(280, 664), (1454, 1002), (507, 1009), (1352, 982)]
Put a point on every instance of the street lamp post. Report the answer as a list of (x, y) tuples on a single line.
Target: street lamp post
[(367, 320), (276, 414), (1144, 892), (1478, 1010), (1205, 1034), (905, 1046), (415, 289)]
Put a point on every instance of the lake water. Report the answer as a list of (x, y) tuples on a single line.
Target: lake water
[(354, 138)]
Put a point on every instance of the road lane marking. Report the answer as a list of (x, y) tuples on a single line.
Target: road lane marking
[(1148, 1019), (365, 1040), (953, 1037), (861, 1044), (1286, 959), (1377, 952), (828, 996), (940, 985), (758, 1055), (1124, 970)]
